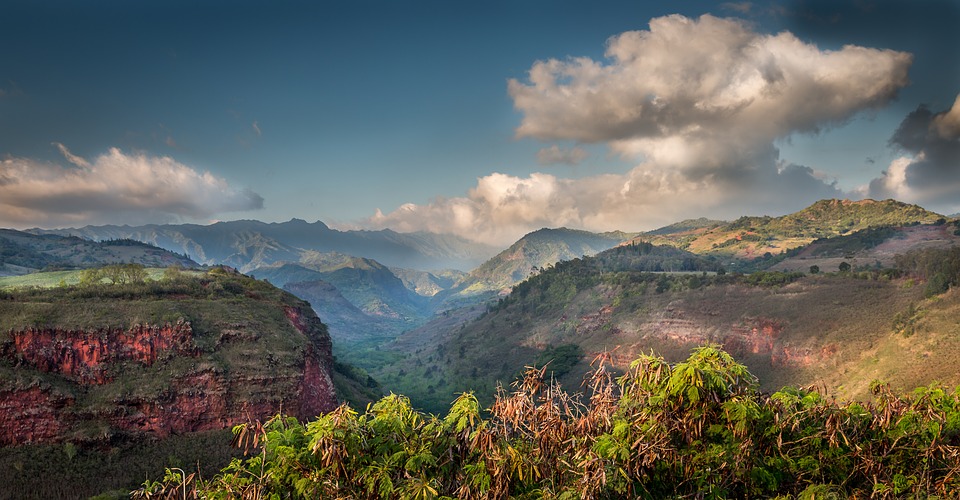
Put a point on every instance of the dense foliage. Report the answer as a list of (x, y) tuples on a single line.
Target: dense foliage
[(939, 268), (699, 428)]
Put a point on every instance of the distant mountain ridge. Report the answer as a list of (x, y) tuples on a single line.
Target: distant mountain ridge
[(361, 300), (750, 236), (537, 250), (248, 244), (24, 253)]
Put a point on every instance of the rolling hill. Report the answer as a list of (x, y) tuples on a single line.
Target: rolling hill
[(532, 253), (748, 238), (24, 253), (839, 330)]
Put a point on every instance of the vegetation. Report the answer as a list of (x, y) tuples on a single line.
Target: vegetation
[(67, 470), (22, 253), (535, 251), (240, 331), (699, 428), (756, 242), (354, 385), (837, 329), (939, 268)]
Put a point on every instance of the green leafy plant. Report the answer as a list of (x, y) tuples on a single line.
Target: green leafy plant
[(699, 428)]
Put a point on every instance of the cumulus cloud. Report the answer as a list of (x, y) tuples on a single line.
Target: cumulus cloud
[(699, 105), (928, 170), (115, 187), (703, 94), (555, 155), (501, 207)]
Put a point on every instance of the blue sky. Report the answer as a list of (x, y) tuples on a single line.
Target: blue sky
[(425, 115)]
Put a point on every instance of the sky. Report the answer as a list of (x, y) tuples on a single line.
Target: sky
[(482, 119)]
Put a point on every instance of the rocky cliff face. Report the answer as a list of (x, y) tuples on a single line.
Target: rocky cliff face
[(85, 357), (252, 359)]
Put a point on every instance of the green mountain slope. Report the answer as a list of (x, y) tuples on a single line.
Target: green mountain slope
[(875, 247), (428, 284), (362, 301), (536, 251), (24, 253), (835, 329), (366, 283), (752, 237), (686, 226)]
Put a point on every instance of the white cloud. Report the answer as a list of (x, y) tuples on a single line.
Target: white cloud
[(256, 128), (698, 104), (710, 86), (114, 188), (72, 158), (555, 155), (501, 208)]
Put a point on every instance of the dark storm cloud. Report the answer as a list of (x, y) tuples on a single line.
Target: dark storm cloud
[(928, 171)]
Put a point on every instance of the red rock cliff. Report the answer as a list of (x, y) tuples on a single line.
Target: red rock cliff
[(85, 356), (148, 380)]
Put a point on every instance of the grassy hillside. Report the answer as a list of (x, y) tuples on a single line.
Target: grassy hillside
[(750, 237), (834, 329), (872, 247), (218, 304), (24, 253), (535, 251), (59, 278), (454, 353)]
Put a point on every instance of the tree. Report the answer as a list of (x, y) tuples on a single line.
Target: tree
[(814, 269), (844, 267), (89, 277)]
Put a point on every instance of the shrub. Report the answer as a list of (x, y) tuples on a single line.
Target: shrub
[(696, 429)]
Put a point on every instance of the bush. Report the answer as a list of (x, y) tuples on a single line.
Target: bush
[(697, 429)]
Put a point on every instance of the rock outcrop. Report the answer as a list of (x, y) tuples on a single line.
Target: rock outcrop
[(255, 355), (85, 356)]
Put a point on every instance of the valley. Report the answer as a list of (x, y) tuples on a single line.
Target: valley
[(836, 296)]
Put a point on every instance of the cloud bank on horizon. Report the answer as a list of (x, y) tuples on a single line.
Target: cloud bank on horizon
[(699, 105), (115, 187)]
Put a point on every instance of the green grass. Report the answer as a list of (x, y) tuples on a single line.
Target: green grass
[(53, 279)]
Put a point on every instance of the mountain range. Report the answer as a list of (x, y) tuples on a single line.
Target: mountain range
[(385, 314), (24, 253), (249, 244)]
